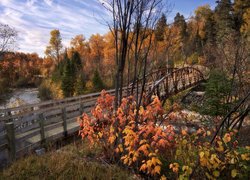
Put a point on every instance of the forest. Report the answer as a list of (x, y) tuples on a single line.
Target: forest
[(138, 129)]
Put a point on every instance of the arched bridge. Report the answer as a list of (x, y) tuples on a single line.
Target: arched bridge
[(169, 81), (27, 127)]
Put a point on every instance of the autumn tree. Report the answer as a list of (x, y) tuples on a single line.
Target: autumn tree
[(242, 16), (81, 45), (54, 49), (96, 43), (132, 26)]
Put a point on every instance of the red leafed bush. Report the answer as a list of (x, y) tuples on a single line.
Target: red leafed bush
[(128, 134)]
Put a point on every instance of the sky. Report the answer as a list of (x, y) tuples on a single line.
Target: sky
[(34, 19)]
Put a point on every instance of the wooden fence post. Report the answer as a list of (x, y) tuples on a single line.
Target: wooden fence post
[(11, 140), (64, 117), (81, 108), (41, 124)]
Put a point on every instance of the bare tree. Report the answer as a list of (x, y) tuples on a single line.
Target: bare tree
[(132, 26), (8, 38)]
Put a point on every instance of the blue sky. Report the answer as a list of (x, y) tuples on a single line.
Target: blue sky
[(34, 19)]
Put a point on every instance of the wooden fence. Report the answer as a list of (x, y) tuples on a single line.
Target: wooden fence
[(26, 127)]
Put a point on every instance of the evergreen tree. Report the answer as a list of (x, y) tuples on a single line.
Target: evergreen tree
[(217, 89), (180, 22), (160, 28), (224, 19), (76, 60), (68, 79), (210, 31), (80, 84), (98, 84), (59, 69)]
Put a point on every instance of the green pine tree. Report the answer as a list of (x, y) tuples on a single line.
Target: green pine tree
[(180, 22), (210, 31), (59, 69), (76, 60), (160, 28), (217, 89), (80, 84), (224, 18), (68, 79), (98, 84)]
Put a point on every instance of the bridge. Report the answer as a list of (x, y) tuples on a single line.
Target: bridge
[(24, 128)]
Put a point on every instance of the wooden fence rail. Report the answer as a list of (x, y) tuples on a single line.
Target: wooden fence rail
[(29, 126)]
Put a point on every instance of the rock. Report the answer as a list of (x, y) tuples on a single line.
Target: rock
[(40, 152)]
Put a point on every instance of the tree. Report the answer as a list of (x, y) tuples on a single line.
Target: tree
[(76, 61), (160, 28), (240, 9), (96, 43), (225, 24), (180, 22), (59, 68), (217, 90), (8, 38), (80, 84), (132, 28), (68, 78), (53, 50), (98, 84)]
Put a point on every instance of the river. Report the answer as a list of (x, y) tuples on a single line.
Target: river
[(21, 97)]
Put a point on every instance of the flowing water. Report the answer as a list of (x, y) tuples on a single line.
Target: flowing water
[(21, 97)]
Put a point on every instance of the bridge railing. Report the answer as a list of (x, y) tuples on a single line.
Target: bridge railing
[(26, 127)]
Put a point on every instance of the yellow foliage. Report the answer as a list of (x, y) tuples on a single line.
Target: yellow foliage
[(174, 167), (234, 173), (227, 138)]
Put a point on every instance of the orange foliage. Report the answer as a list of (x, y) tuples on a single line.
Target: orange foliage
[(133, 137)]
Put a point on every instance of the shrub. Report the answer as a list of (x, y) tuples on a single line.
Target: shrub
[(129, 136), (138, 139), (199, 158), (44, 92), (50, 90)]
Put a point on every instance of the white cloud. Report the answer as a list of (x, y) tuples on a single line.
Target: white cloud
[(34, 19), (48, 2)]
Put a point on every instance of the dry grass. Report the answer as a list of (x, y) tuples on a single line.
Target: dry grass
[(71, 162)]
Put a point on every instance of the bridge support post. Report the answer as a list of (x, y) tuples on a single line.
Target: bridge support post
[(65, 132), (11, 140), (41, 124)]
